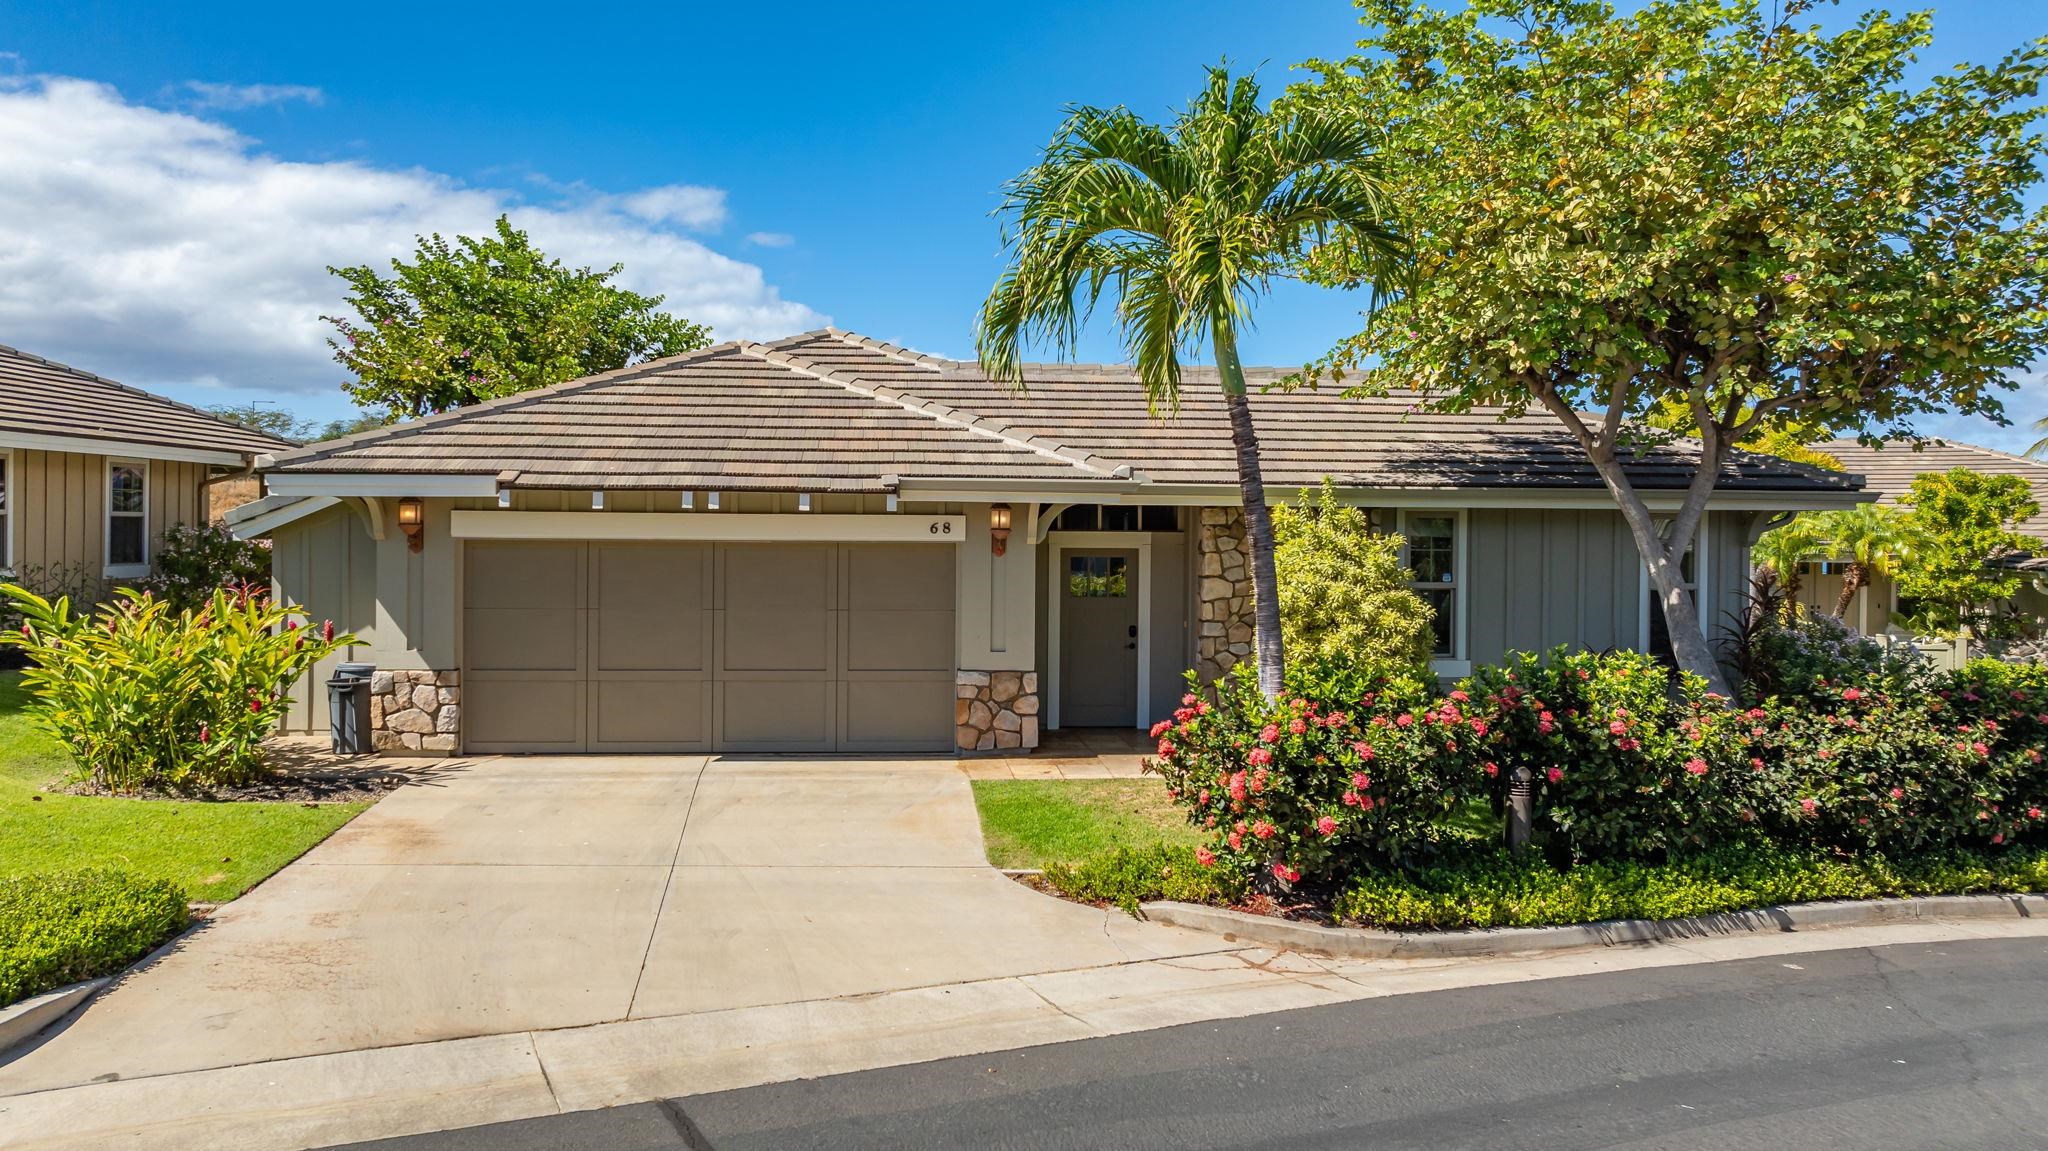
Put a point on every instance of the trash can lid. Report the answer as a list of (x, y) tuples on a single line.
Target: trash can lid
[(355, 670)]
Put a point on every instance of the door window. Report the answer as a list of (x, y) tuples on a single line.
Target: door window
[(1091, 577)]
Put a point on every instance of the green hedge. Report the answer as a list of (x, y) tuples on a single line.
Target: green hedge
[(1500, 891), (1127, 876), (59, 929)]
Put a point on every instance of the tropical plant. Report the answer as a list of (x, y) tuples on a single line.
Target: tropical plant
[(1700, 203), (1186, 224), (2040, 447), (1343, 590), (191, 563), (482, 318), (145, 697), (1969, 523), (1786, 550), (1875, 541)]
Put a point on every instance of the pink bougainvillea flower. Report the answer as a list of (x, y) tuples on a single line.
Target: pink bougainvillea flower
[(1263, 830), (1555, 774), (1696, 766), (1270, 733), (1205, 857), (1326, 826), (1260, 756)]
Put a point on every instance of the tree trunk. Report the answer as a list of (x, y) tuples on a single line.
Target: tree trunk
[(1852, 582), (1258, 518)]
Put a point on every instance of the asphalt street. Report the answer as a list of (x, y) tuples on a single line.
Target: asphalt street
[(1913, 1046)]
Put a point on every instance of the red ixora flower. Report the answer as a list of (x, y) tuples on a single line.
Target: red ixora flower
[(1696, 766), (1263, 830), (1205, 857), (1617, 728), (1282, 871), (1851, 694), (1555, 774), (1270, 733), (1161, 728), (1297, 726), (1809, 805), (1492, 768), (1166, 749), (1260, 756), (1326, 826)]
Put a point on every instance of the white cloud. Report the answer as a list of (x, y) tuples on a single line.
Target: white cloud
[(684, 204), (231, 97), (161, 247), (771, 239)]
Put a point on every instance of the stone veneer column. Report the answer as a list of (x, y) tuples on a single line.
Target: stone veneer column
[(995, 710), (1223, 636), (416, 712)]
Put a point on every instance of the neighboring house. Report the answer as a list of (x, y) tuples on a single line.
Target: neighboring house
[(1887, 473), (92, 472), (829, 543)]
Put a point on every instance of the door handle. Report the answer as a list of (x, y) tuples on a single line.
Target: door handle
[(1131, 646)]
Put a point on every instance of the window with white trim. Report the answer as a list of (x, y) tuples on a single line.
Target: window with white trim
[(1431, 547), (127, 518)]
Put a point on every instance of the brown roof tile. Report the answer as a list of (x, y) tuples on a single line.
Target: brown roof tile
[(43, 397), (1889, 470)]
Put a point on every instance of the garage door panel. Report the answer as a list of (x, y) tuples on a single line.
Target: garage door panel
[(899, 641), (649, 608), (887, 714), (516, 714), (523, 640), (532, 576), (666, 713), (776, 608), (775, 714), (881, 577)]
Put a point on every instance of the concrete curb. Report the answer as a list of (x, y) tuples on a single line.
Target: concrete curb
[(1362, 943), (27, 1019)]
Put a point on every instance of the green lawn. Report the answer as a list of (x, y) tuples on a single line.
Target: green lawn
[(215, 851), (1028, 823)]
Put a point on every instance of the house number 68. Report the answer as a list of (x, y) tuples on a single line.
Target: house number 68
[(941, 528)]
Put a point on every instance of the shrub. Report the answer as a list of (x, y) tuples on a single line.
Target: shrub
[(1128, 876), (1498, 890), (191, 563), (1351, 767), (1343, 589), (1627, 761), (147, 697), (1808, 656), (59, 929)]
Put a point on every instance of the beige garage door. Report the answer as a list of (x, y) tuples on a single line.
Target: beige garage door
[(615, 647)]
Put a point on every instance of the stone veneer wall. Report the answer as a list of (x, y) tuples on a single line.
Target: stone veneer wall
[(995, 710), (416, 712), (1223, 636)]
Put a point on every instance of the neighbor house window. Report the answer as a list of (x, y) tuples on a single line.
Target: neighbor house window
[(127, 518), (1089, 577), (1432, 546)]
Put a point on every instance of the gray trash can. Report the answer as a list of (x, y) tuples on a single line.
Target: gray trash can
[(348, 708)]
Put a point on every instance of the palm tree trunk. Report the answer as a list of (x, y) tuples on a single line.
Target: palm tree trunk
[(1852, 582), (1258, 518)]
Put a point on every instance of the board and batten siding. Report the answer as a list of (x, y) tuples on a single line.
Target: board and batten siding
[(327, 566), (60, 502), (1539, 578)]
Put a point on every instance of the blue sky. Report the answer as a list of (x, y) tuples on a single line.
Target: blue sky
[(769, 165)]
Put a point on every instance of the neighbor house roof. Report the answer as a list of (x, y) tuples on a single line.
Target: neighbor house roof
[(830, 410), (1888, 470), (44, 403)]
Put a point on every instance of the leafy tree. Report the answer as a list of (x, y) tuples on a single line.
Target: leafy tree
[(1876, 540), (483, 318), (281, 423), (1785, 548), (1343, 589), (1695, 204), (1186, 224), (1968, 522)]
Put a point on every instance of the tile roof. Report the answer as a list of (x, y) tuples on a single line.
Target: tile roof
[(830, 410), (43, 397), (1889, 470)]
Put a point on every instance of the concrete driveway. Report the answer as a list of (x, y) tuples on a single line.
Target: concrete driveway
[(535, 893)]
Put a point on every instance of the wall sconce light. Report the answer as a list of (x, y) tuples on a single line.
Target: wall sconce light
[(412, 520), (998, 528)]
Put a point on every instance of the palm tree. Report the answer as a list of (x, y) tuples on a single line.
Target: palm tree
[(1874, 539), (1786, 548), (1186, 224), (2040, 447)]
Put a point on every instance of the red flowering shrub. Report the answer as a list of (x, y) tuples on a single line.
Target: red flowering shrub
[(1626, 763), (1349, 769)]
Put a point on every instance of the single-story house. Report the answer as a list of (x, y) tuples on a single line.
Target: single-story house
[(1888, 473), (829, 543), (92, 472)]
